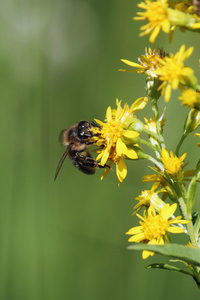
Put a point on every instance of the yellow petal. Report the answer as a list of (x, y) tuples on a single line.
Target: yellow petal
[(120, 147), (109, 114), (135, 230), (130, 153), (154, 34), (130, 134), (121, 170), (130, 63), (175, 229), (105, 157), (168, 210), (167, 93), (136, 238), (139, 104), (146, 254)]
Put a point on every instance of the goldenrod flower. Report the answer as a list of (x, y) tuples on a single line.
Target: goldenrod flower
[(190, 98), (154, 228), (156, 13), (115, 139), (148, 62), (161, 181), (151, 124), (150, 197), (172, 164), (172, 73), (158, 177)]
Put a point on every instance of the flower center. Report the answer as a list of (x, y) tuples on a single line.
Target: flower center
[(154, 227), (156, 13), (173, 70), (111, 132), (173, 165)]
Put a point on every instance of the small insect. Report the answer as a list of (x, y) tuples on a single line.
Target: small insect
[(78, 139)]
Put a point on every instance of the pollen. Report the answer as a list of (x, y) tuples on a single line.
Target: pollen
[(156, 13), (172, 164), (111, 132), (154, 227)]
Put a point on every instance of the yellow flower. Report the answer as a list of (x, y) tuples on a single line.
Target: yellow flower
[(115, 139), (150, 197), (152, 125), (172, 73), (156, 13), (172, 164), (154, 228), (158, 177), (148, 62), (190, 98)]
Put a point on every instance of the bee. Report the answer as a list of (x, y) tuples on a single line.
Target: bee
[(78, 139)]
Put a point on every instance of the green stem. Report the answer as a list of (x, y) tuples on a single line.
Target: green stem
[(153, 160), (155, 109), (179, 144), (147, 143), (151, 133), (184, 211)]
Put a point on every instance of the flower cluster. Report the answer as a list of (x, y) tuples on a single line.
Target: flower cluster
[(166, 16), (168, 69), (122, 136)]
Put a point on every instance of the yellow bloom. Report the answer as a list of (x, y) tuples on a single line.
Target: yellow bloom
[(172, 73), (190, 98), (150, 197), (158, 177), (148, 62), (152, 125), (115, 139), (156, 13), (172, 164), (154, 228)]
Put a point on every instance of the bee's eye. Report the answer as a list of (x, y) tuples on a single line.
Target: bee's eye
[(83, 130)]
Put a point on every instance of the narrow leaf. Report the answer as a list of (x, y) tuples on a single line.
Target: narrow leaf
[(185, 253), (168, 268)]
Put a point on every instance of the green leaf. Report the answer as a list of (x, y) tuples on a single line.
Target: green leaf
[(196, 223), (185, 253), (168, 268)]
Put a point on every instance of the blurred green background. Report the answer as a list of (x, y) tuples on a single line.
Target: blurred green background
[(59, 64)]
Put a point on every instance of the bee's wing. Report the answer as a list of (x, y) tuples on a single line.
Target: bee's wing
[(61, 162)]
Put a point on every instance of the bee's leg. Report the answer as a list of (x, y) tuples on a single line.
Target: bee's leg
[(94, 124), (87, 161), (105, 166)]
